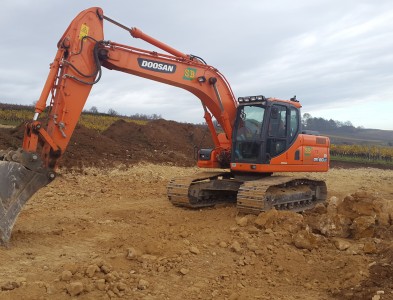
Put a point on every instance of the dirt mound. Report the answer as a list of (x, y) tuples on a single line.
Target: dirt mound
[(360, 224), (158, 141), (358, 216), (11, 137)]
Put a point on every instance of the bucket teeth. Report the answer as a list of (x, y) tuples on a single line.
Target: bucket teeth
[(17, 184)]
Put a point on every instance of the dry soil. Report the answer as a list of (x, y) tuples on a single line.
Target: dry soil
[(113, 234)]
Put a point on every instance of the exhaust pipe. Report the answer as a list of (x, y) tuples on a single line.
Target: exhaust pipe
[(21, 175)]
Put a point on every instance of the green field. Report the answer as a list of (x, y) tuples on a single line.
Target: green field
[(99, 122), (363, 161)]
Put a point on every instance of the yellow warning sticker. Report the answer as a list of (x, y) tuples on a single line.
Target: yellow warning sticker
[(84, 31)]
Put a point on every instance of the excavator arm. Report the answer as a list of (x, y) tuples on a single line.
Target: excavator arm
[(82, 52)]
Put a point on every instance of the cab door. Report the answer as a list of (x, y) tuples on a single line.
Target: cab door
[(284, 123)]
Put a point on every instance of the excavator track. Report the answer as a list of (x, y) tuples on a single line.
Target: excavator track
[(252, 196), (281, 193), (203, 189)]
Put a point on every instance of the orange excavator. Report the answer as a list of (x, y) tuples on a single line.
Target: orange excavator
[(259, 136)]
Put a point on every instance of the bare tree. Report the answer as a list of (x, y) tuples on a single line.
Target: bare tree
[(93, 110), (112, 112)]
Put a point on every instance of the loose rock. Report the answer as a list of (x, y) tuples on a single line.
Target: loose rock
[(143, 284), (236, 247), (341, 244), (363, 226), (90, 271), (106, 268), (75, 288), (223, 244), (132, 253), (9, 285), (194, 250), (242, 222), (66, 275), (305, 240), (184, 271), (100, 284), (369, 247)]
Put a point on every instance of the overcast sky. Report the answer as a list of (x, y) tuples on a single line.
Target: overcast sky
[(335, 55)]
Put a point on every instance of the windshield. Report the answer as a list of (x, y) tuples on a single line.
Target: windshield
[(247, 146), (250, 121)]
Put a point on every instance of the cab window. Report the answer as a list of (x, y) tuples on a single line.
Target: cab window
[(278, 122), (293, 123), (277, 139)]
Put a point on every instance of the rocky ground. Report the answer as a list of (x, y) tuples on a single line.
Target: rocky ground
[(104, 229), (112, 233)]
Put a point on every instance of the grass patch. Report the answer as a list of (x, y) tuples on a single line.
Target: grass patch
[(102, 122), (99, 122), (360, 160)]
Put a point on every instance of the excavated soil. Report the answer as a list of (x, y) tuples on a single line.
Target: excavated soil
[(104, 229), (158, 141)]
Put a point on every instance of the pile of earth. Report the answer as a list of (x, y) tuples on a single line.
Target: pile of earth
[(358, 224), (158, 141), (127, 143)]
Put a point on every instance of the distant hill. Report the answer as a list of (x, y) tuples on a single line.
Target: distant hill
[(360, 136), (346, 133)]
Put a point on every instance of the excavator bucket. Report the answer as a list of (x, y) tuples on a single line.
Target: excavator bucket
[(17, 184)]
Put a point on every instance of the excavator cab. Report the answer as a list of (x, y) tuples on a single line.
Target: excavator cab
[(264, 129), (267, 138)]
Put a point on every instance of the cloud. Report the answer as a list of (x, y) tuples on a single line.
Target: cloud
[(335, 56)]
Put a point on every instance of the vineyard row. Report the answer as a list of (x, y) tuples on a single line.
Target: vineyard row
[(373, 153)]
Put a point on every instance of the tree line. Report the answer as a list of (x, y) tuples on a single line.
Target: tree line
[(112, 112), (312, 123)]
